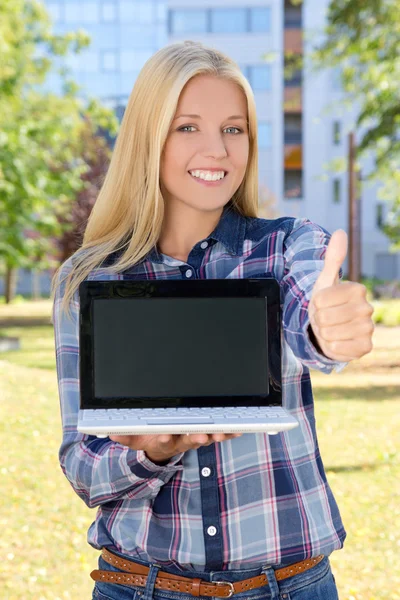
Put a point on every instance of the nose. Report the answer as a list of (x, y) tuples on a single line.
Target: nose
[(215, 147)]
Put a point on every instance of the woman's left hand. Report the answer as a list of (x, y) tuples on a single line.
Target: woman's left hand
[(339, 312)]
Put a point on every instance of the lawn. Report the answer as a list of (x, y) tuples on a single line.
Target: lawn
[(45, 555)]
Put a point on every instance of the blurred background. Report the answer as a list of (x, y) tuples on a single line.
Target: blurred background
[(326, 79)]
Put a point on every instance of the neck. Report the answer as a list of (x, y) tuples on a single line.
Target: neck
[(183, 227)]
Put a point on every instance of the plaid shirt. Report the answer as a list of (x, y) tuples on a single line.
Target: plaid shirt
[(238, 504)]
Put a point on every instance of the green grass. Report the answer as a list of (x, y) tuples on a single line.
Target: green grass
[(44, 524)]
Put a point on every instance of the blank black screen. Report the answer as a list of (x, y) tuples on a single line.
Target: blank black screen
[(168, 347)]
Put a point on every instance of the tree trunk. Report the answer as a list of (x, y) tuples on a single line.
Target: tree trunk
[(11, 283)]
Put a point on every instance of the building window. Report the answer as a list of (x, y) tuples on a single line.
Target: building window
[(73, 13), (264, 135), (188, 21), (259, 77), (293, 125), (379, 215), (293, 184), (229, 20), (336, 190), (108, 13), (88, 12), (161, 12), (109, 60), (54, 9), (220, 20), (133, 60), (292, 16), (386, 266), (127, 12), (145, 11), (336, 132), (88, 62), (260, 19)]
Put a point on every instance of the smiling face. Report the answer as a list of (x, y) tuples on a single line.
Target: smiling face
[(216, 139)]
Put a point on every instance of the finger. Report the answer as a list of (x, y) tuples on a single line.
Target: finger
[(346, 292), (347, 331), (333, 315), (335, 256), (348, 349), (193, 441), (165, 438), (218, 437)]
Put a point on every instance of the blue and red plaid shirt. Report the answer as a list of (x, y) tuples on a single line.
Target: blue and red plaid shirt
[(239, 504)]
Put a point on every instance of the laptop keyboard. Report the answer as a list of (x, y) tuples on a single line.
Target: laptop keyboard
[(195, 414)]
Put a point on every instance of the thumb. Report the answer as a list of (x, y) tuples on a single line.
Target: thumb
[(335, 256)]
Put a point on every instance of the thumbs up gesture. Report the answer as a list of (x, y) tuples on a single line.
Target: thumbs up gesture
[(339, 313)]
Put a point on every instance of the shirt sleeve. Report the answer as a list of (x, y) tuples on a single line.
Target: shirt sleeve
[(304, 251), (98, 469)]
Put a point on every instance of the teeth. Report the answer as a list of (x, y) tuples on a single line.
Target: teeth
[(208, 175)]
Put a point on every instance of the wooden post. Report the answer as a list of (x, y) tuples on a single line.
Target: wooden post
[(354, 224)]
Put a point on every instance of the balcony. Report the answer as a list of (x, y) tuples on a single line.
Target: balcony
[(293, 185), (293, 157), (293, 137), (293, 40), (292, 16), (292, 102), (293, 22), (295, 81)]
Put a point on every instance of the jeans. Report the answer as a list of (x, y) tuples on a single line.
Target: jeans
[(318, 583)]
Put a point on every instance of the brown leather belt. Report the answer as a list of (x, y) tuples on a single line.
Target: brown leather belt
[(136, 574)]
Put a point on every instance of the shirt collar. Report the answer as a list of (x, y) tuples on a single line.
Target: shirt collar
[(230, 232)]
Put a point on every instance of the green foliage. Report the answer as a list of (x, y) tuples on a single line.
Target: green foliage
[(386, 312), (363, 39), (41, 164)]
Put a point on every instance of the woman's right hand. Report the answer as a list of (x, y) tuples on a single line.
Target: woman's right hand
[(160, 448)]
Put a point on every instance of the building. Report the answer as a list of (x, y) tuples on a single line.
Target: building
[(301, 124)]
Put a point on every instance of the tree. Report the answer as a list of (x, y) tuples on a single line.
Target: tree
[(41, 147), (97, 155), (363, 38)]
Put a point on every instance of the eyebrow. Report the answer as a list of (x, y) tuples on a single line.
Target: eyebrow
[(199, 117)]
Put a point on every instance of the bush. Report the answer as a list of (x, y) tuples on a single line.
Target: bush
[(386, 312)]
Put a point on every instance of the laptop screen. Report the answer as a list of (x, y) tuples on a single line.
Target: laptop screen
[(180, 347), (153, 343)]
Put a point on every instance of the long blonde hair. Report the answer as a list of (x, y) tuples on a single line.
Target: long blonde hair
[(129, 210)]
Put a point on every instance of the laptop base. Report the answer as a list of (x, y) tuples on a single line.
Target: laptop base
[(270, 420)]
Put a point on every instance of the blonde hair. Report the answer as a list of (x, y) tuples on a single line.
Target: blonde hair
[(128, 212)]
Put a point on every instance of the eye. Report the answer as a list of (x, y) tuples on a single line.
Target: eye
[(237, 129), (193, 127), (185, 127)]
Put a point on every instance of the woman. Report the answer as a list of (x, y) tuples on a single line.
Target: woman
[(180, 201)]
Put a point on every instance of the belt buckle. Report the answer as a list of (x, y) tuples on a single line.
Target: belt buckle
[(231, 590)]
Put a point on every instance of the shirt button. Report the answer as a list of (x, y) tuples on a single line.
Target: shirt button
[(188, 273), (206, 472), (211, 530), (204, 245)]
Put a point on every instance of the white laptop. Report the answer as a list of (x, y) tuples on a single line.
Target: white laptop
[(178, 356)]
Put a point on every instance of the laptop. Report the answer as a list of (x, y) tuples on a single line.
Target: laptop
[(178, 356)]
